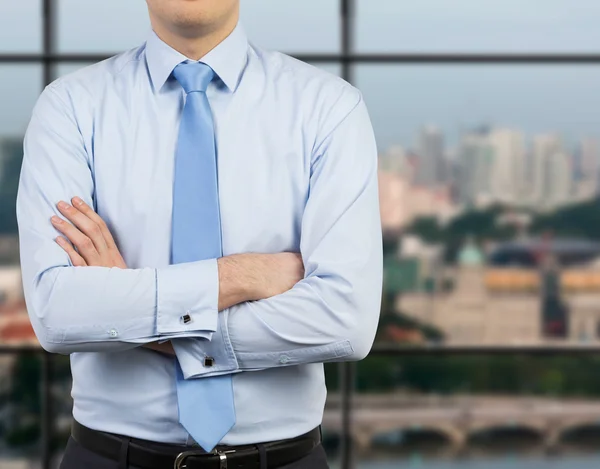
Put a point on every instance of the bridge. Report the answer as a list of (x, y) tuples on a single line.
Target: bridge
[(460, 420)]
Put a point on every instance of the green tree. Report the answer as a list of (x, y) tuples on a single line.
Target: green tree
[(428, 229), (580, 220)]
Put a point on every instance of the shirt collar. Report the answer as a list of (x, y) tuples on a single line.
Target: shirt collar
[(227, 59)]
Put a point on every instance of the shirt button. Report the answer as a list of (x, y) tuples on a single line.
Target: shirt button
[(283, 359), (113, 333)]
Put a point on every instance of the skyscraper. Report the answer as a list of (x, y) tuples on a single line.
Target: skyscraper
[(587, 174), (552, 175), (507, 178), (475, 159), (431, 170), (589, 158), (394, 160)]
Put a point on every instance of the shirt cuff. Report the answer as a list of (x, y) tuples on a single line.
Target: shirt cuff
[(317, 354), (187, 298), (199, 358), (184, 335), (138, 330)]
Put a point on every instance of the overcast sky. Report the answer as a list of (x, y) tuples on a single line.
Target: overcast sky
[(401, 98)]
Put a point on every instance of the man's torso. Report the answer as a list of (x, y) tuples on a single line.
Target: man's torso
[(265, 132)]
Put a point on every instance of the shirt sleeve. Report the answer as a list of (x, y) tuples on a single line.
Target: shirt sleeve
[(332, 314), (81, 309)]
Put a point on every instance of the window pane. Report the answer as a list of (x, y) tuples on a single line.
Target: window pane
[(20, 26), (20, 417), (293, 26), (21, 84), (488, 175), (475, 26), (474, 412), (106, 26)]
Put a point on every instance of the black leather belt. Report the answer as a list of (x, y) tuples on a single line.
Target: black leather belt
[(150, 455)]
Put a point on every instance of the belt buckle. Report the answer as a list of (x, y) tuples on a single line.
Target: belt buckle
[(181, 457)]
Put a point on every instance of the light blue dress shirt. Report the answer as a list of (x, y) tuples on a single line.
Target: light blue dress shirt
[(297, 171)]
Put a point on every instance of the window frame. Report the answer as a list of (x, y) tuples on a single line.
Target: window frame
[(49, 58)]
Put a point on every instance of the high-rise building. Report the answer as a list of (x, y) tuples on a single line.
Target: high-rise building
[(394, 160), (589, 158), (507, 177), (475, 157), (552, 175), (431, 169), (587, 174)]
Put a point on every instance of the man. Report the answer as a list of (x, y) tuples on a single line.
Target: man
[(200, 230)]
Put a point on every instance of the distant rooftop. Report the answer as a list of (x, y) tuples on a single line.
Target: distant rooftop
[(471, 255), (526, 253)]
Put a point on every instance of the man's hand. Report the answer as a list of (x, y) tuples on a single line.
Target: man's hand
[(89, 234), (273, 274), (165, 348), (247, 277), (95, 245)]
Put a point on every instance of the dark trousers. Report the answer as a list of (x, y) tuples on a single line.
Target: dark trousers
[(77, 457)]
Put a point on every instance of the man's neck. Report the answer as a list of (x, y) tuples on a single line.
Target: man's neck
[(197, 45)]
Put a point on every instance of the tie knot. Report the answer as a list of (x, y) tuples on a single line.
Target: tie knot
[(193, 76)]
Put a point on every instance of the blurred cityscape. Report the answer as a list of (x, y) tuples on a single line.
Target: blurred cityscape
[(493, 242)]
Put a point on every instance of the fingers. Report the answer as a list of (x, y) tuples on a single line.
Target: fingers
[(85, 224), (84, 245), (300, 266), (84, 208), (164, 348), (76, 259)]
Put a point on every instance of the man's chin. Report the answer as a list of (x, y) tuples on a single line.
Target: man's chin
[(190, 25)]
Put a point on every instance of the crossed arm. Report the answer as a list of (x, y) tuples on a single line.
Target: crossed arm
[(250, 311), (242, 277)]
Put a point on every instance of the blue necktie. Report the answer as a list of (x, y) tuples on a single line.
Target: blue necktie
[(206, 408)]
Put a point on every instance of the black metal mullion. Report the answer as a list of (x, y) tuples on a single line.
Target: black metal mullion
[(407, 351), (47, 422), (52, 58), (346, 369), (351, 59), (467, 350), (441, 58), (48, 46), (347, 37), (47, 417)]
